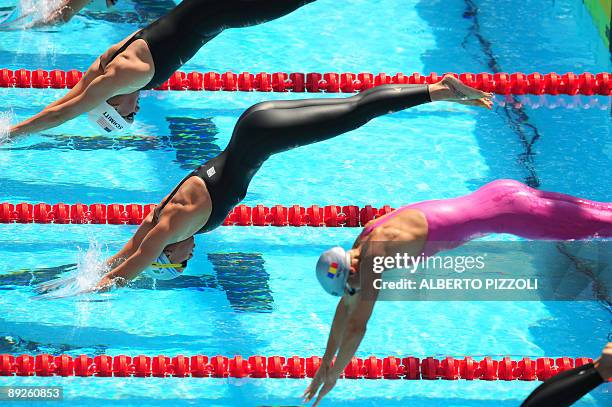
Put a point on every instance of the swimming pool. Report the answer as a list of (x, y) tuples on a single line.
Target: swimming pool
[(253, 291)]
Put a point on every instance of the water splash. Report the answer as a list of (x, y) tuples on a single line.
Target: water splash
[(5, 124), (40, 9), (91, 266), (91, 263), (28, 13)]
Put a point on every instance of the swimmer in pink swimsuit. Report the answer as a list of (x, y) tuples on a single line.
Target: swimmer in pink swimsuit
[(502, 206), (507, 206)]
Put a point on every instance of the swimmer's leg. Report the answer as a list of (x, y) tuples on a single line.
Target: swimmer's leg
[(271, 127)]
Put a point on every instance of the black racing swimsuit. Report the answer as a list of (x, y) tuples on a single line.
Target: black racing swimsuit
[(272, 127), (175, 38), (565, 388)]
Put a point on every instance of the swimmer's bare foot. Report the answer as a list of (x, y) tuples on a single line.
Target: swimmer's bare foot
[(452, 89), (483, 102)]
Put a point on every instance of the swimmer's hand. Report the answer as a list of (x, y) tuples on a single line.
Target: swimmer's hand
[(105, 285), (323, 377), (13, 133)]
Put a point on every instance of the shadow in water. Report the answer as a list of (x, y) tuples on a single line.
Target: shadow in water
[(146, 11), (16, 346), (193, 139), (244, 279)]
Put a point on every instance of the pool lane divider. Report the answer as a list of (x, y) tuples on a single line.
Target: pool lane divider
[(241, 215), (516, 83), (391, 367)]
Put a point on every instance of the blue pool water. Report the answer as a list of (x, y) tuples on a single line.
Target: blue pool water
[(251, 290)]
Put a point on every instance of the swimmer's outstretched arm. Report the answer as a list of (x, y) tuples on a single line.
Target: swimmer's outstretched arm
[(94, 71), (133, 244), (135, 241), (141, 257), (333, 343), (348, 329), (100, 89), (565, 388), (148, 243)]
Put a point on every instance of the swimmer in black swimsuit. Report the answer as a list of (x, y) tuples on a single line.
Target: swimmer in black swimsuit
[(203, 199), (568, 387), (148, 58)]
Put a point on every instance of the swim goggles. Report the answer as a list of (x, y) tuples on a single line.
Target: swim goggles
[(164, 269), (350, 290), (107, 118)]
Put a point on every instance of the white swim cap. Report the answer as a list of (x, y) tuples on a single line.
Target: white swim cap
[(164, 269), (107, 118), (333, 270)]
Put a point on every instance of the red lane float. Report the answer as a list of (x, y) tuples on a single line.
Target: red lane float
[(278, 367), (502, 83), (241, 215)]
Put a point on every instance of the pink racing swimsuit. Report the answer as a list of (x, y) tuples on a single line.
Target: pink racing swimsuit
[(508, 206)]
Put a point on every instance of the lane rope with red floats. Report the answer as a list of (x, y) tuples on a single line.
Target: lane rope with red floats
[(331, 82), (241, 215), (391, 367)]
